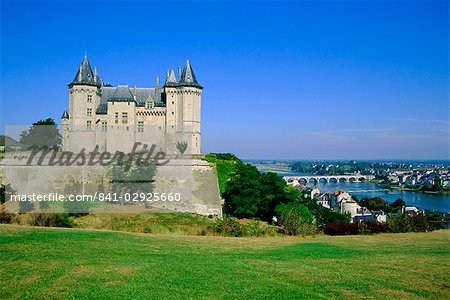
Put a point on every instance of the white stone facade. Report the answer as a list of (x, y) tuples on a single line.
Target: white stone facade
[(115, 118)]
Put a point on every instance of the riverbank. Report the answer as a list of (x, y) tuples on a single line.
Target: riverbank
[(415, 190)]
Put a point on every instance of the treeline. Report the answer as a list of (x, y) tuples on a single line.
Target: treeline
[(331, 168)]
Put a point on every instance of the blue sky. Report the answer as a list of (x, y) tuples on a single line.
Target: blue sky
[(299, 80)]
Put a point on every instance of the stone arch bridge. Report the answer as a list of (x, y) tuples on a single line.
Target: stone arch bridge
[(297, 180)]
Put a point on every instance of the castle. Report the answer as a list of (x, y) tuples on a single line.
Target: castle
[(114, 118)]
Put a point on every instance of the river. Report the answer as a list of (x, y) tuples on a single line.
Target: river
[(369, 190), (366, 189)]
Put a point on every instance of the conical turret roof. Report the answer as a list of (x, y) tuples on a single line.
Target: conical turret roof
[(85, 76), (65, 115), (171, 80), (188, 77)]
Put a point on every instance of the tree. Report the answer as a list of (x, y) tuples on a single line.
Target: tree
[(250, 194), (323, 215), (375, 203), (398, 204), (438, 184), (295, 218), (41, 133), (5, 192)]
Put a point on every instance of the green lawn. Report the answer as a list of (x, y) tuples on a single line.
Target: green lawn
[(51, 263)]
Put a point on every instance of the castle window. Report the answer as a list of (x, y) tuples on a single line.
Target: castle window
[(124, 118), (104, 126), (89, 125), (173, 113), (89, 112), (116, 118), (173, 102), (140, 126), (89, 98)]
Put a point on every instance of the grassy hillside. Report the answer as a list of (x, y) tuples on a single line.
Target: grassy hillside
[(69, 263), (224, 168)]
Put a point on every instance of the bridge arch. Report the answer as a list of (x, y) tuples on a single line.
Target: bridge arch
[(302, 180), (323, 179), (313, 180), (333, 180)]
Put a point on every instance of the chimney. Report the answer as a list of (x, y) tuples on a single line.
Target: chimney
[(167, 73), (179, 73), (157, 81), (134, 92)]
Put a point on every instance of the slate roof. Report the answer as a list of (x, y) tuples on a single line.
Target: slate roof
[(126, 94), (65, 115), (85, 76), (171, 80), (188, 77)]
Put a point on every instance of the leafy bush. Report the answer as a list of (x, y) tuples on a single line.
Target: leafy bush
[(407, 223), (229, 226), (5, 218), (222, 156), (341, 229), (375, 203), (296, 219), (258, 229), (51, 220), (323, 215), (372, 227)]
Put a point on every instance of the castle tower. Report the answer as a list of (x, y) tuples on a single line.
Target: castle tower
[(65, 130), (172, 111), (84, 98), (189, 120)]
